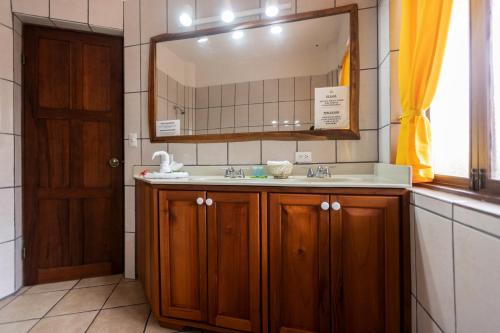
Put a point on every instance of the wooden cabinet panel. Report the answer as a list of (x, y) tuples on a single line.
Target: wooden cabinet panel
[(233, 261), (365, 265), (183, 270), (299, 263)]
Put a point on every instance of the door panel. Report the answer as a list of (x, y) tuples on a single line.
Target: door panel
[(69, 188), (365, 264), (299, 263), (234, 261), (183, 270)]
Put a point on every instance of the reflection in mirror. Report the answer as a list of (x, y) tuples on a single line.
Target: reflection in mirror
[(253, 80)]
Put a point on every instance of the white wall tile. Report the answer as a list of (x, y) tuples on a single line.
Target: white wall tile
[(183, 152), (69, 10), (384, 93), (6, 106), (363, 150), (394, 141), (434, 205), (6, 54), (368, 117), (18, 50), (144, 67), (395, 98), (132, 114), (131, 23), (247, 152), (395, 8), (384, 145), (107, 13), (434, 267), (368, 38), (18, 161), (18, 263), (322, 151), (153, 19), (132, 157), (477, 220), (308, 5), (38, 8), (383, 29), (5, 13), (360, 3), (7, 231), (413, 251), (425, 324), (130, 255), (17, 117), (212, 153), (477, 271), (7, 153), (144, 115), (129, 209), (18, 211), (132, 59), (278, 151), (6, 269)]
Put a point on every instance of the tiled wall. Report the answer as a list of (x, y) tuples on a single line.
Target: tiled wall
[(455, 264)]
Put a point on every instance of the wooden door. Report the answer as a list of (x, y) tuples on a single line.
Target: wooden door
[(234, 260), (73, 119), (366, 270), (299, 263), (183, 255)]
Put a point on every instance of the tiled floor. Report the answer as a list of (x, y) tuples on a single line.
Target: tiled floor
[(103, 304)]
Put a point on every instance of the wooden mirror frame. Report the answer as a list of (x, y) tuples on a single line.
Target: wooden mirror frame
[(334, 134)]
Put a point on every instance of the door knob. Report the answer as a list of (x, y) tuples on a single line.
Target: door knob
[(209, 202), (199, 201), (325, 205), (114, 162), (336, 206)]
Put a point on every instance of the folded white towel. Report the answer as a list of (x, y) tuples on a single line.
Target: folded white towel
[(162, 175), (279, 163)]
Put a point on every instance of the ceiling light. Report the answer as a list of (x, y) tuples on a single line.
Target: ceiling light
[(238, 34), (272, 11), (274, 122), (276, 29), (227, 16), (203, 40), (186, 20)]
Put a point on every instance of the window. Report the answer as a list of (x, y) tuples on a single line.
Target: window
[(465, 113)]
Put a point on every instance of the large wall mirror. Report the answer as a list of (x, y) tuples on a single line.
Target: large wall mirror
[(296, 77)]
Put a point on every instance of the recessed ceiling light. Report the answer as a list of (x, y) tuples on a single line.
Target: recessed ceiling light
[(276, 29), (272, 11), (227, 16), (203, 40), (186, 20), (238, 34)]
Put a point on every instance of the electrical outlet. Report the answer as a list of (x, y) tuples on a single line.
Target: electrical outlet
[(303, 157)]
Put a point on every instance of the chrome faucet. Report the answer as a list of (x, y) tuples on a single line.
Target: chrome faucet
[(321, 172), (232, 173)]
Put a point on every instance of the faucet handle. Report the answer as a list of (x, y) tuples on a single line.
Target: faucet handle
[(240, 173), (326, 172), (310, 173), (319, 172)]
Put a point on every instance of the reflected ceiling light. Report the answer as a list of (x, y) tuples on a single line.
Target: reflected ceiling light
[(203, 40), (227, 16), (285, 122), (186, 20), (238, 34), (276, 29), (274, 122), (272, 10)]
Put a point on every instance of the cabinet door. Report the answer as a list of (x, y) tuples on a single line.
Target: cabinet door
[(299, 263), (183, 270), (366, 264), (234, 260)]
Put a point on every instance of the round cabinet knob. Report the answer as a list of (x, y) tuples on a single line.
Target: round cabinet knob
[(209, 202), (199, 201), (325, 205), (335, 206)]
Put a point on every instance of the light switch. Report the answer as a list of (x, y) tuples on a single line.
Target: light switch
[(132, 139)]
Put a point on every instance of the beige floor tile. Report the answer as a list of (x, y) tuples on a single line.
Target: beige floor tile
[(42, 288), (99, 281), (154, 327), (19, 327), (21, 291), (129, 319), (30, 306), (6, 300), (80, 300), (127, 293), (74, 323)]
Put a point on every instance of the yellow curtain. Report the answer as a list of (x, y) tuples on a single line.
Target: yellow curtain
[(421, 49), (345, 71)]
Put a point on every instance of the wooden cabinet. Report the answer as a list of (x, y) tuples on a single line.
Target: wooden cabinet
[(278, 260)]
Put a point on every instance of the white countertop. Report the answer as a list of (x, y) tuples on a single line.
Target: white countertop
[(383, 176)]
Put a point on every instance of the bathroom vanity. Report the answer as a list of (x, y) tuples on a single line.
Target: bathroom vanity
[(267, 255)]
